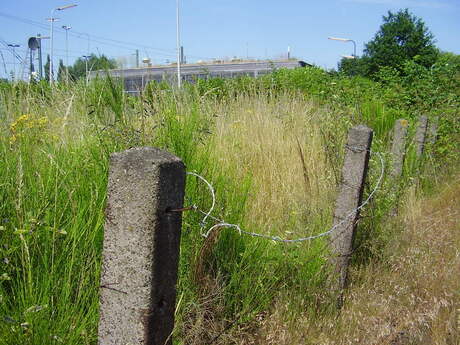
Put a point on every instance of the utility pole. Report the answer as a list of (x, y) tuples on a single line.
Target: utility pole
[(67, 28), (137, 58), (14, 46), (52, 20), (40, 65), (178, 46), (4, 64)]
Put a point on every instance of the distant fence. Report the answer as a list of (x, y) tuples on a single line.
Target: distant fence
[(143, 223)]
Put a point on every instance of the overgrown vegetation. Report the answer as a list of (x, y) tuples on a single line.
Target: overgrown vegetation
[(272, 148), (80, 68), (410, 297), (401, 38)]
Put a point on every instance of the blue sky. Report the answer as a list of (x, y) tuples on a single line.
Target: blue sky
[(216, 29)]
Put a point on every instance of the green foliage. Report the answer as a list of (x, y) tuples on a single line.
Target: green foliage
[(51, 227), (313, 80), (353, 67), (401, 38), (54, 179), (405, 92), (46, 68), (93, 63), (62, 73), (215, 87)]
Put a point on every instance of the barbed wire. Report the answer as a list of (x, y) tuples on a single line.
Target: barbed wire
[(221, 223)]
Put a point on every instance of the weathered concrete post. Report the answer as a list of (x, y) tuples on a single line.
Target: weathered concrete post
[(354, 173), (398, 148), (420, 135), (141, 248), (433, 130)]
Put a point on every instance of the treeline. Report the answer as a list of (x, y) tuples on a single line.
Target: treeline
[(81, 66)]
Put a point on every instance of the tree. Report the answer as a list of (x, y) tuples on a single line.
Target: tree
[(352, 67), (62, 73), (95, 63), (46, 68), (401, 37)]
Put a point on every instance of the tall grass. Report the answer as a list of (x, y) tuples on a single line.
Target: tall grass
[(410, 297), (272, 153)]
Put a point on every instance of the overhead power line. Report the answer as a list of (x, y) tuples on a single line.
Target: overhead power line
[(4, 64), (11, 50), (93, 38), (99, 39)]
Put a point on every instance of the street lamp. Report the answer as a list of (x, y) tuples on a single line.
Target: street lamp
[(345, 40), (178, 45), (52, 20), (67, 28), (14, 46)]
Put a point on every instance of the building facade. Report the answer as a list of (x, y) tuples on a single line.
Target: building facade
[(135, 79)]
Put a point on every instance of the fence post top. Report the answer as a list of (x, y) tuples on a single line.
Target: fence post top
[(359, 137), (361, 128), (144, 155)]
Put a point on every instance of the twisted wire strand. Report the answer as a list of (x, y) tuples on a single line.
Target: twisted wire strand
[(222, 223), (213, 194)]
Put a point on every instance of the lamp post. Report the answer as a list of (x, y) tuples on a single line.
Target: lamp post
[(67, 28), (14, 46), (52, 20), (178, 46), (345, 40)]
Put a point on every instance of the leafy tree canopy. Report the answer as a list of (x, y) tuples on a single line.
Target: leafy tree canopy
[(78, 70), (353, 67), (46, 69), (401, 37), (62, 73)]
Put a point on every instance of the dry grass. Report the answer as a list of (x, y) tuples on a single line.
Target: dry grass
[(284, 144), (281, 144), (411, 298)]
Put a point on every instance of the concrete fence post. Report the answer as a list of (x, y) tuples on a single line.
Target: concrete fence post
[(398, 148), (354, 173), (141, 248), (420, 135), (433, 130)]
